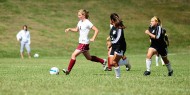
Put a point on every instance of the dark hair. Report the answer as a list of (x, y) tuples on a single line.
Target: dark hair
[(25, 26), (116, 20), (159, 22)]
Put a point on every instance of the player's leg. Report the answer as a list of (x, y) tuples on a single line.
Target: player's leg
[(22, 50), (150, 53), (108, 43), (109, 60), (116, 58), (123, 61), (95, 59), (127, 65), (28, 49), (163, 52), (163, 64), (168, 65), (157, 59), (72, 61)]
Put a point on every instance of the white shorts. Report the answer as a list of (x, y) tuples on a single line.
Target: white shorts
[(119, 53), (26, 45)]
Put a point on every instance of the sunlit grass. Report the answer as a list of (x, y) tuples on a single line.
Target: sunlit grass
[(31, 77)]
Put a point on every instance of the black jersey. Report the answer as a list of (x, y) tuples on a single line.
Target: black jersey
[(158, 41), (117, 38)]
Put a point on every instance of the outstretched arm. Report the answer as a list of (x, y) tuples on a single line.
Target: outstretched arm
[(72, 29)]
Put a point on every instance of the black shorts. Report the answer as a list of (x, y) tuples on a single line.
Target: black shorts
[(162, 51), (118, 49)]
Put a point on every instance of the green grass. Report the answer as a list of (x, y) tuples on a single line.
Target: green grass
[(48, 19), (31, 77)]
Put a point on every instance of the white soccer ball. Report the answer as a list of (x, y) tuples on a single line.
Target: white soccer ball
[(36, 55), (54, 71)]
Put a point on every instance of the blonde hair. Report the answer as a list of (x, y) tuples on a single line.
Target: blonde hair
[(84, 12), (155, 18), (108, 38)]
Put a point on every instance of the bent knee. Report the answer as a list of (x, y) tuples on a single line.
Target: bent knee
[(114, 63), (148, 56), (73, 56)]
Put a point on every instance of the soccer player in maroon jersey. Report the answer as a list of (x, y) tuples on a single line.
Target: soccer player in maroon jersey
[(83, 27)]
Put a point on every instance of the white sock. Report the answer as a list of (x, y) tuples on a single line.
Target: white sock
[(169, 67), (117, 71), (157, 58), (162, 61), (123, 62), (148, 64)]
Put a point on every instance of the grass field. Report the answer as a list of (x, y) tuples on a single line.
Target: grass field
[(31, 77), (47, 20)]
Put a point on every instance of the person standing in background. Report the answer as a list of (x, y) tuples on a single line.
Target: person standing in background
[(23, 36)]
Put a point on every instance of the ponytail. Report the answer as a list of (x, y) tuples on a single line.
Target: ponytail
[(116, 20)]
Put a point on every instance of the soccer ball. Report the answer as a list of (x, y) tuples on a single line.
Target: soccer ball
[(54, 71), (36, 55)]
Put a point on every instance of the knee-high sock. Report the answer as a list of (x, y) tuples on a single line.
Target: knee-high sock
[(96, 59), (123, 62), (157, 58), (109, 64), (71, 64), (117, 72), (162, 61), (148, 64), (169, 67)]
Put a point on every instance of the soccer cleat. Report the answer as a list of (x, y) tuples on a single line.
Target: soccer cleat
[(128, 67), (170, 73), (108, 69), (104, 65), (146, 73), (66, 71)]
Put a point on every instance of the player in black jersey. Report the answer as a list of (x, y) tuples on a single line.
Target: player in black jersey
[(157, 55), (118, 43), (158, 45), (124, 61)]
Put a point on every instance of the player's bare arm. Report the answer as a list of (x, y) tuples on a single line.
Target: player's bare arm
[(151, 35), (72, 29), (95, 34)]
